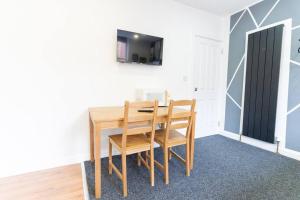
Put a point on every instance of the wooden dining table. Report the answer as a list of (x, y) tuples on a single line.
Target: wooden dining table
[(101, 118)]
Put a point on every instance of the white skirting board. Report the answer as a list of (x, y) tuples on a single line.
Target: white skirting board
[(263, 145)]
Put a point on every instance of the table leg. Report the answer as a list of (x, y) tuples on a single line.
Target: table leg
[(92, 158), (192, 140), (97, 153)]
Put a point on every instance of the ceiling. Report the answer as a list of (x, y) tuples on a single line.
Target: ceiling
[(219, 7)]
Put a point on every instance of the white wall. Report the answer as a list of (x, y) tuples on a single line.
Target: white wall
[(57, 58)]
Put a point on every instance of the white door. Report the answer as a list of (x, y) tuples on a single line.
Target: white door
[(207, 56)]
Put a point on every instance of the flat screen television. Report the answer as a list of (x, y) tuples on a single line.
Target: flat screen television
[(139, 48)]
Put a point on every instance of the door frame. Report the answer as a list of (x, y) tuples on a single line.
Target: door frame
[(221, 85), (283, 85)]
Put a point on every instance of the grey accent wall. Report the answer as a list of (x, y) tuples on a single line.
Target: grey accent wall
[(233, 114), (242, 22), (236, 89), (261, 9), (237, 43), (234, 18), (292, 138), (295, 44), (294, 88)]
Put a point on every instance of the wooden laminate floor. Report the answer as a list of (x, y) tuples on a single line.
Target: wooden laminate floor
[(60, 183)]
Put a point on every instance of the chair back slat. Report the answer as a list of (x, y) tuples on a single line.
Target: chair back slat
[(142, 118), (180, 119), (183, 119), (139, 122), (139, 130), (181, 116), (183, 103), (179, 126)]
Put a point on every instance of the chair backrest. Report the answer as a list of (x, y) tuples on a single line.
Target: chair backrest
[(139, 122), (179, 117)]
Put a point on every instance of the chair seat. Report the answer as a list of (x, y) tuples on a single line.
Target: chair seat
[(135, 143), (175, 137)]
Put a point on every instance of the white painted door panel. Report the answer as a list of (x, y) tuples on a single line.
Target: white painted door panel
[(206, 79)]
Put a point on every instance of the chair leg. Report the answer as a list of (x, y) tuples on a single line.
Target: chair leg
[(152, 166), (110, 159), (187, 159), (166, 165), (139, 159), (124, 175), (146, 156)]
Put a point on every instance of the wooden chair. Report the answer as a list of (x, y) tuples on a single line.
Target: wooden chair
[(169, 137), (133, 139)]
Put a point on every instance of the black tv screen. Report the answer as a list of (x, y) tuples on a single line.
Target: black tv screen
[(139, 48)]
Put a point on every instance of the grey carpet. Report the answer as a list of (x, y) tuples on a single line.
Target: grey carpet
[(224, 169)]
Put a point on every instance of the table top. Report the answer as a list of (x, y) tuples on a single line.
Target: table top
[(105, 114)]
